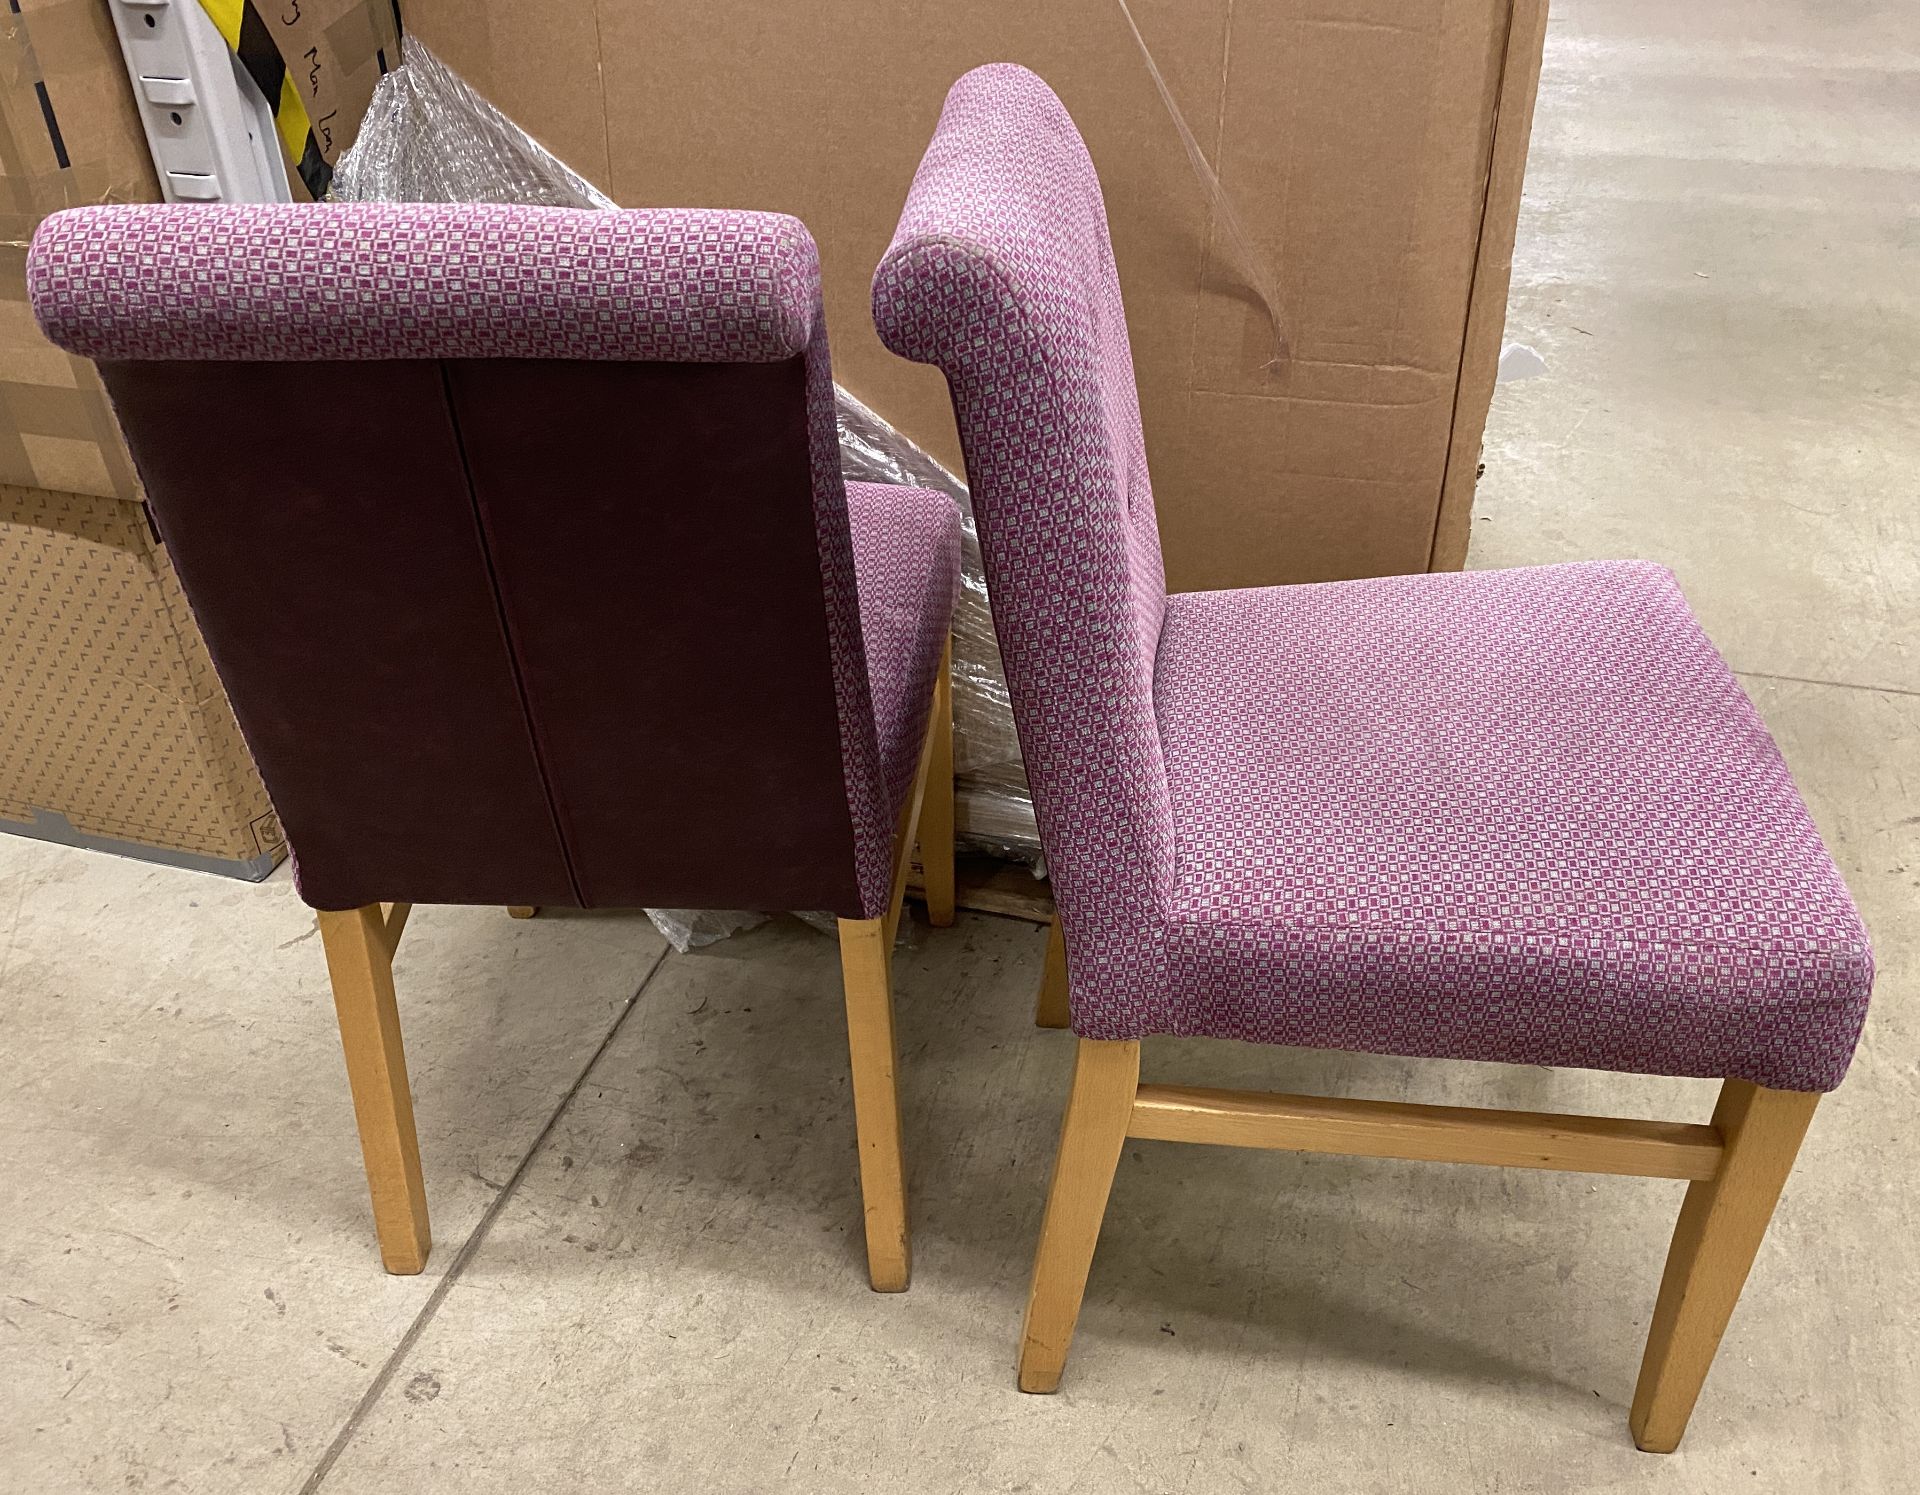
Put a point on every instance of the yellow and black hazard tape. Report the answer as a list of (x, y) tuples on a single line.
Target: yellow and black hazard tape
[(249, 40)]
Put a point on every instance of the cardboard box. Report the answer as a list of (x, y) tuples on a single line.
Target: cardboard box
[(68, 136), (1373, 150), (114, 732)]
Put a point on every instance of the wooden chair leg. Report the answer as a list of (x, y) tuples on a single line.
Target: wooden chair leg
[(522, 910), (866, 967), (396, 915), (936, 808), (360, 961), (1721, 1225), (1050, 1009), (1105, 1076)]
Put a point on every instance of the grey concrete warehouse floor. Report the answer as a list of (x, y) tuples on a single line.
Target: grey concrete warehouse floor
[(648, 1270)]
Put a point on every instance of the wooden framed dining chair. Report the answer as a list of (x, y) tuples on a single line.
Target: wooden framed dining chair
[(1524, 816), (520, 543)]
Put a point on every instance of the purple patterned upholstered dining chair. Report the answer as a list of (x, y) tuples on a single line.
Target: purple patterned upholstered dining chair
[(520, 543), (1525, 816)]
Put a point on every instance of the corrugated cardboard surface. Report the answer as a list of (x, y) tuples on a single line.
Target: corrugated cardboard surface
[(1487, 311), (335, 51), (68, 136), (1356, 138), (112, 716)]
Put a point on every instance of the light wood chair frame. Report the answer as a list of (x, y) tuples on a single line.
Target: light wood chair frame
[(360, 945), (1735, 1167)]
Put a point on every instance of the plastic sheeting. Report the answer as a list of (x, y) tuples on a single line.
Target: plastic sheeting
[(429, 137)]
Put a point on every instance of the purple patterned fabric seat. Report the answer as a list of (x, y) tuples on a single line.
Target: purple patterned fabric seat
[(1525, 816), (1519, 815)]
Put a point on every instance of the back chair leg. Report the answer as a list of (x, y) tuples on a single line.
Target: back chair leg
[(866, 966), (360, 961), (1105, 1077), (936, 809), (522, 910), (1050, 1009), (1721, 1225)]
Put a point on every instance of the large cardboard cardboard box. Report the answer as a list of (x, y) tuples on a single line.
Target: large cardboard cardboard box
[(1371, 150), (114, 732)]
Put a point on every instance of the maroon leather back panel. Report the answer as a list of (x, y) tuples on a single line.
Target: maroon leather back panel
[(652, 530), (509, 631), (343, 591)]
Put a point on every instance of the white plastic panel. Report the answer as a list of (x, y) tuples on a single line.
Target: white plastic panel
[(210, 131)]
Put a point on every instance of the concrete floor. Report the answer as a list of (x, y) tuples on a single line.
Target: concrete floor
[(648, 1269)]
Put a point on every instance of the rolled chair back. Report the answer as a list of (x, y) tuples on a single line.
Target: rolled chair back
[(1001, 274)]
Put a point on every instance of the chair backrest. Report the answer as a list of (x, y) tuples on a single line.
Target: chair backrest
[(517, 535), (1001, 275)]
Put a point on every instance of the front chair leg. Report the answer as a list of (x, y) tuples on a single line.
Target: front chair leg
[(360, 961), (867, 969), (1721, 1225), (1105, 1077), (936, 806)]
